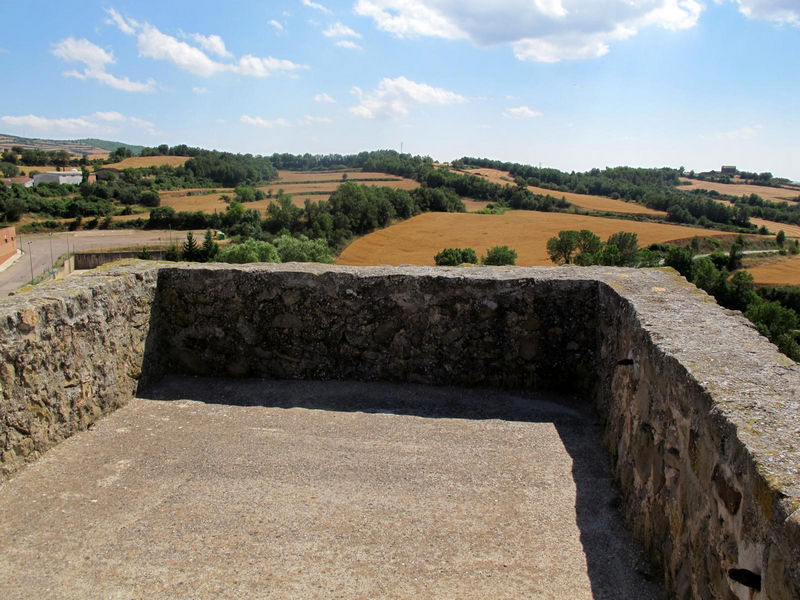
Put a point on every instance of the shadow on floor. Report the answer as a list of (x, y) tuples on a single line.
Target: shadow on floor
[(616, 565)]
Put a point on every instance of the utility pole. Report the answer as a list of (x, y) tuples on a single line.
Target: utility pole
[(68, 260), (30, 256), (52, 262)]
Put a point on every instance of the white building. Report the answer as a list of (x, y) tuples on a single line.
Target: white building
[(73, 176)]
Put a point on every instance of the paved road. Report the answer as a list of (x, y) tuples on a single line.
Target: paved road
[(210, 488), (37, 255)]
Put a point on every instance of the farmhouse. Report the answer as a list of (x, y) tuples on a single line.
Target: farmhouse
[(8, 243), (728, 170), (72, 176)]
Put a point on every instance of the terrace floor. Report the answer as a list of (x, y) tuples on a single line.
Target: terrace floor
[(272, 489)]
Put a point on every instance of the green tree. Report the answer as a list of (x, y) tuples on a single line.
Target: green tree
[(302, 249), (780, 238), (681, 260), (8, 169), (249, 251), (735, 256), (588, 242), (500, 255), (210, 247), (191, 251), (149, 198), (563, 246), (628, 246)]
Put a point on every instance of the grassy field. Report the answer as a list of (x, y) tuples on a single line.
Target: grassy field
[(417, 240), (772, 194), (585, 201)]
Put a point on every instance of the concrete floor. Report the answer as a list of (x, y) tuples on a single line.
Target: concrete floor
[(258, 489)]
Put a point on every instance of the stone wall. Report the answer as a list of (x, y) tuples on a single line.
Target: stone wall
[(70, 351), (701, 414)]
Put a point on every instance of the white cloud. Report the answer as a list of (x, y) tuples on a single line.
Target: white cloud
[(746, 132), (152, 43), (316, 5), (339, 29), (72, 50), (99, 123), (125, 26), (521, 112), (96, 60), (394, 98), (111, 116), (212, 43), (780, 11), (310, 120), (260, 122), (349, 44), (200, 91), (540, 30), (276, 24), (323, 97)]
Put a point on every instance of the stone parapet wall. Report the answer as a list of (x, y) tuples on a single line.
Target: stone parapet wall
[(70, 351), (701, 414)]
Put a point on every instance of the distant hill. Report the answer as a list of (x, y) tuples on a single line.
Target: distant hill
[(87, 146)]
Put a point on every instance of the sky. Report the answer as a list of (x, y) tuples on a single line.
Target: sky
[(570, 84)]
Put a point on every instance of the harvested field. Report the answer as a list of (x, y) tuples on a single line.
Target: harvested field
[(600, 203), (299, 185), (138, 162), (288, 177), (417, 240), (198, 200), (585, 201), (739, 189), (777, 270), (775, 227)]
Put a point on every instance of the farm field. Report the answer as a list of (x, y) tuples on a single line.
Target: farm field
[(314, 186), (585, 201), (775, 227), (739, 189), (138, 162), (417, 240), (777, 270)]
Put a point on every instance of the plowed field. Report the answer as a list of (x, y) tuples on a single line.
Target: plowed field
[(417, 240)]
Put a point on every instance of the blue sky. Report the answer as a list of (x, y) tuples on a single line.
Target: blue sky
[(571, 84)]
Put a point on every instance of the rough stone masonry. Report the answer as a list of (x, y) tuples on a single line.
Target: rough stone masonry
[(701, 414)]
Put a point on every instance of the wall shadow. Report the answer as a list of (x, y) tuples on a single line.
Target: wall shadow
[(616, 564)]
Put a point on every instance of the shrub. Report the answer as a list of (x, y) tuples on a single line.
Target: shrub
[(451, 257), (500, 255)]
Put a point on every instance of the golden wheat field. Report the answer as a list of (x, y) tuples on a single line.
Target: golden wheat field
[(417, 240), (772, 194), (777, 270), (585, 201), (775, 227), (138, 162)]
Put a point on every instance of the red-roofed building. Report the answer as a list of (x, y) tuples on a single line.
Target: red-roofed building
[(23, 181)]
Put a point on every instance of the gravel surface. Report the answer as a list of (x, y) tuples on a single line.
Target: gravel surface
[(273, 489)]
